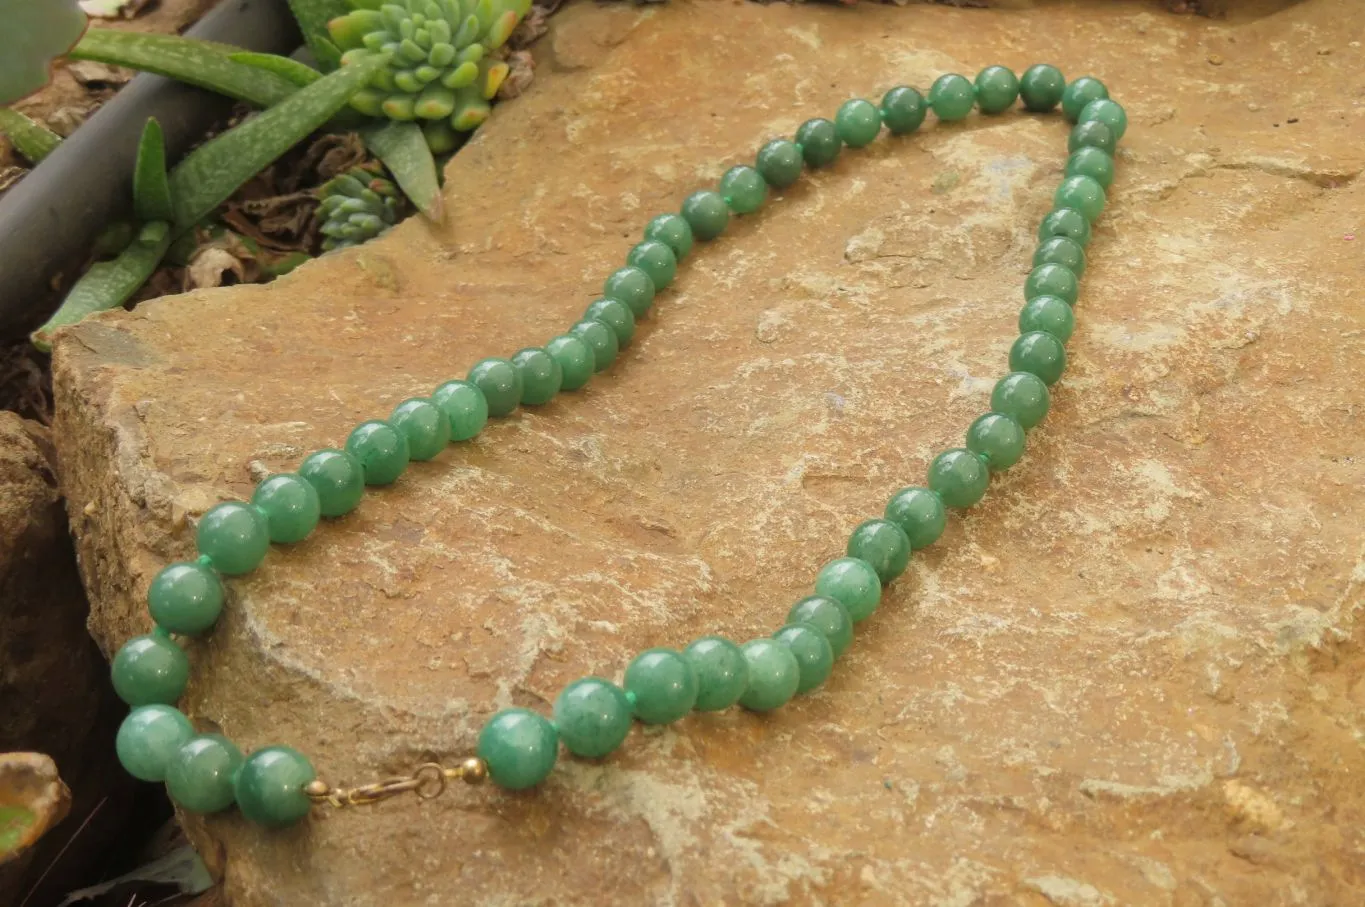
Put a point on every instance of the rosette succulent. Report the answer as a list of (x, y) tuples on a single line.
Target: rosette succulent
[(356, 207)]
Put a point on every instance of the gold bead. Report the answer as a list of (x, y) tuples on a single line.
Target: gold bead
[(473, 770), (317, 788)]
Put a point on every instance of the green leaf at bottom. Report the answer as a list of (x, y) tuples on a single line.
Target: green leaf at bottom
[(404, 150)]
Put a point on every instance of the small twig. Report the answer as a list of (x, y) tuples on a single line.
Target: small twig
[(65, 847)]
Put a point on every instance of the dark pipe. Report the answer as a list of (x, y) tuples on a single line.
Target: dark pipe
[(49, 221)]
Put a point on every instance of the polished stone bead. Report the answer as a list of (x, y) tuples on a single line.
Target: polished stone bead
[(616, 315), (997, 88), (1083, 194), (780, 163), (150, 670), (291, 507), (903, 110), (1023, 397), (575, 359), (1065, 222), (185, 598), (1038, 353), (819, 141), (1093, 162), (593, 717), (499, 382), (673, 231), (423, 425), (1080, 93), (998, 439), (381, 449), (774, 674), (1041, 87), (1051, 280), (1061, 250), (655, 259), (882, 544), (1108, 112), (706, 213), (465, 406), (722, 673), (952, 97), (338, 478), (235, 536), (601, 339), (853, 583), (520, 747), (829, 616), (271, 786), (663, 685), (814, 656), (201, 773), (541, 376), (858, 122), (920, 514), (1091, 135), (1047, 313), (148, 738), (958, 477), (633, 286), (743, 189)]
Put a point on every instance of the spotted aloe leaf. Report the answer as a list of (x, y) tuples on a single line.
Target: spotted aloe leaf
[(404, 150), (151, 189), (38, 31), (30, 138)]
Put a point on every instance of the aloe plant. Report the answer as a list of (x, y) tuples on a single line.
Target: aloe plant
[(356, 207), (40, 31), (31, 139)]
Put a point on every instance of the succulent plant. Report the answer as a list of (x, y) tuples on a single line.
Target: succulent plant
[(39, 33), (357, 206)]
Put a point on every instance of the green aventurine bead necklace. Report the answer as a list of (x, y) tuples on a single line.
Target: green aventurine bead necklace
[(517, 748)]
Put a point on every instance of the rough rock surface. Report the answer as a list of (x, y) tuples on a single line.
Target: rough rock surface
[(1134, 675)]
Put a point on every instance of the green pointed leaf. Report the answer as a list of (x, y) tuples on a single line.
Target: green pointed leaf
[(151, 192), (31, 139), (403, 149), (312, 16), (299, 74)]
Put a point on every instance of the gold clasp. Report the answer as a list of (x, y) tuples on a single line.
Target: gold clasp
[(428, 781)]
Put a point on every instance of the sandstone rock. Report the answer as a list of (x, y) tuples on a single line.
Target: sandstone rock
[(1162, 598), (33, 798)]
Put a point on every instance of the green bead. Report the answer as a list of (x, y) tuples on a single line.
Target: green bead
[(1023, 397), (337, 477), (601, 339), (633, 286), (997, 439), (235, 536), (903, 110), (1047, 313), (1082, 194), (920, 514), (722, 673), (185, 598), (952, 97), (520, 748), (1051, 280), (575, 359), (858, 122), (780, 163), (673, 231), (829, 616), (1061, 250), (150, 670), (423, 425), (1079, 94), (499, 382), (814, 656), (774, 674), (819, 141), (743, 189), (1041, 87), (465, 406), (381, 449), (997, 88), (616, 315), (291, 507), (655, 259), (1093, 162), (662, 685), (200, 775), (593, 717), (1108, 112), (271, 786), (148, 738), (958, 477), (1038, 353), (1091, 135), (706, 213), (541, 376), (853, 583), (882, 544), (1065, 222)]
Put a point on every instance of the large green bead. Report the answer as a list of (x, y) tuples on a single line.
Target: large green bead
[(673, 231), (1021, 396), (813, 653), (952, 97), (920, 514), (499, 382), (655, 259), (780, 163), (541, 376), (338, 478), (465, 406), (819, 141), (1082, 194), (903, 110), (853, 583), (959, 477), (592, 716), (1061, 250), (743, 189), (722, 673), (1047, 313), (997, 88), (575, 359), (381, 449), (1091, 135), (1038, 353), (633, 286), (858, 122), (706, 213), (662, 684), (1065, 222), (882, 544), (998, 439), (774, 675), (1093, 162), (1079, 94), (601, 339), (616, 315), (185, 598), (201, 773), (1108, 112), (235, 536), (520, 748), (148, 738), (271, 786), (291, 506), (829, 616), (424, 425), (1051, 280), (150, 670), (1041, 87)]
